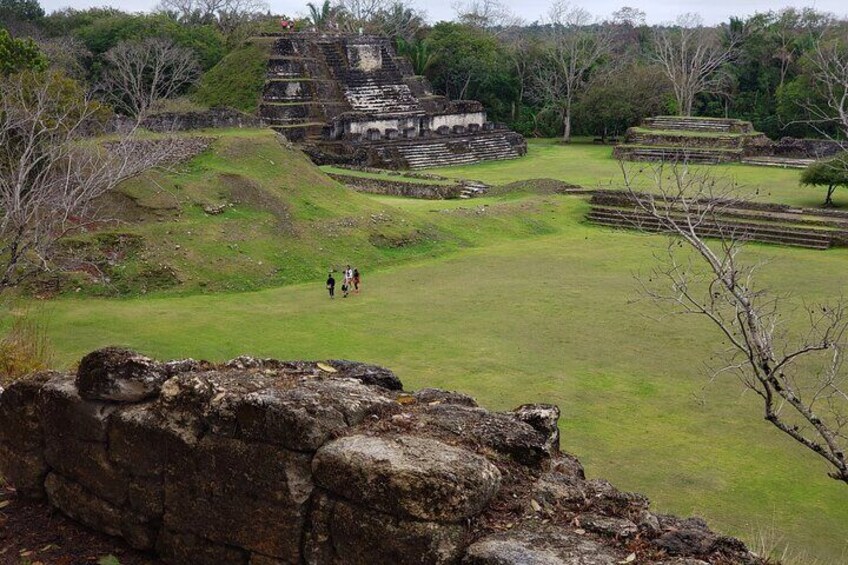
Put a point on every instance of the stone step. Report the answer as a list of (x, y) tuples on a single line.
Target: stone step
[(711, 233), (751, 232), (784, 162), (682, 154), (775, 224)]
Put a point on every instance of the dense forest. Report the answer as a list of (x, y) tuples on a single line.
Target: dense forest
[(571, 73)]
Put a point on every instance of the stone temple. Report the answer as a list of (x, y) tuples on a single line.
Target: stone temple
[(351, 99)]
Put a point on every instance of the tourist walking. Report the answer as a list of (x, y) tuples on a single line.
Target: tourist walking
[(356, 281), (331, 285), (348, 276)]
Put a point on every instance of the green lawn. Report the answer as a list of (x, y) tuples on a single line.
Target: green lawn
[(544, 318), (593, 166)]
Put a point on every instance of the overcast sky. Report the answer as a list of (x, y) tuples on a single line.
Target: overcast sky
[(712, 11)]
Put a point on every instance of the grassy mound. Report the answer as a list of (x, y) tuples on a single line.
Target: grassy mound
[(237, 80), (250, 213)]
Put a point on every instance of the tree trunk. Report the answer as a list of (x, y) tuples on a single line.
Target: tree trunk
[(566, 130), (828, 201)]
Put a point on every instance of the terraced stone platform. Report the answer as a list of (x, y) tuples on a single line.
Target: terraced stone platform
[(350, 99), (763, 223), (691, 140)]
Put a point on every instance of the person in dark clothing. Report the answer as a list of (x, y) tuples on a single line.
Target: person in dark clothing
[(345, 289), (331, 285), (356, 281)]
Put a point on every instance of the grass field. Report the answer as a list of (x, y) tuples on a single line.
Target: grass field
[(593, 166), (514, 299)]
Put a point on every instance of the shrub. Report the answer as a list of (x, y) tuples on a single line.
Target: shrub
[(24, 349)]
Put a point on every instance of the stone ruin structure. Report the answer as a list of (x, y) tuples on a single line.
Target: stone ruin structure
[(352, 100), (717, 140), (691, 139), (269, 462)]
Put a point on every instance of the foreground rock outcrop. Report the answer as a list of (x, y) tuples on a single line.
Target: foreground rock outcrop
[(266, 462)]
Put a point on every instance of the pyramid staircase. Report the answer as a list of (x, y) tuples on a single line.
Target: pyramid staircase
[(352, 100)]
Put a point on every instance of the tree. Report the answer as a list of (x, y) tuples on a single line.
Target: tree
[(491, 15), (398, 21), (226, 14), (321, 17), (799, 378), (51, 174), (829, 64), (18, 55), (831, 173), (20, 11), (692, 58), (140, 73), (463, 58), (418, 52), (621, 98), (573, 50)]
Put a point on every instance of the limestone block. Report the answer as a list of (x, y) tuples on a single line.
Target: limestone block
[(439, 396), (20, 426), (608, 525), (146, 498), (142, 442), (82, 506), (540, 546), (252, 496), (503, 433), (118, 375), (366, 374), (303, 417), (407, 476), (24, 469), (343, 533), (179, 548), (65, 414), (544, 418), (88, 464)]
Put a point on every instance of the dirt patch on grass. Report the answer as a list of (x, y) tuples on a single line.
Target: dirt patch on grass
[(536, 186), (244, 191)]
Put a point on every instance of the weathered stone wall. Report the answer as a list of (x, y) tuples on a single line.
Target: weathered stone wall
[(399, 187), (263, 461), (461, 119), (186, 121)]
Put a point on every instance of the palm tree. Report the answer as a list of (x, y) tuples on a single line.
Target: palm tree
[(320, 17), (418, 53)]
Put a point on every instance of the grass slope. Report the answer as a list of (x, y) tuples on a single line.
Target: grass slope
[(544, 319), (237, 80), (284, 221), (593, 166)]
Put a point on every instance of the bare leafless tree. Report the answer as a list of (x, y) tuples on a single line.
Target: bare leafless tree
[(492, 15), (141, 72), (798, 376), (51, 172), (693, 58), (227, 14), (829, 60), (573, 49), (67, 54)]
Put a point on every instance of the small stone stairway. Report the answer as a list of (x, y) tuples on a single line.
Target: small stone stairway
[(779, 225), (470, 189), (784, 162), (457, 150)]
